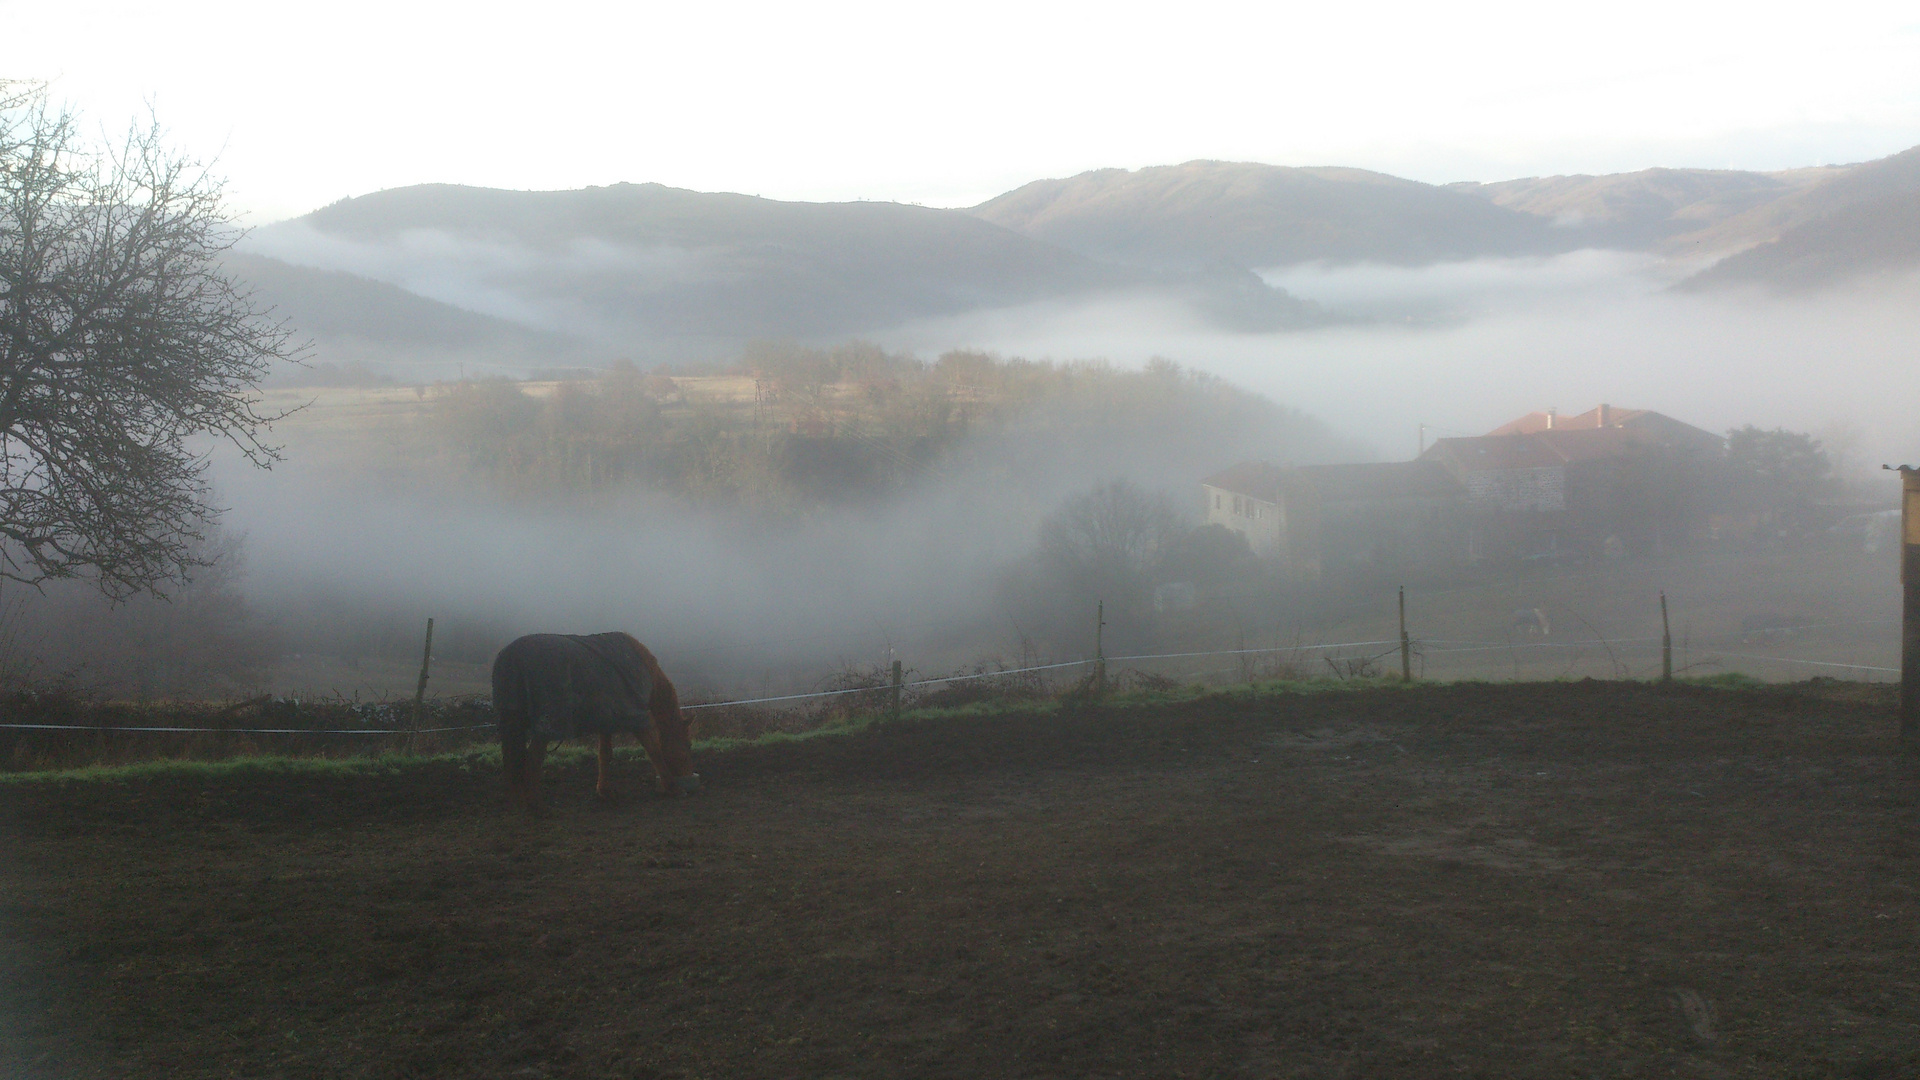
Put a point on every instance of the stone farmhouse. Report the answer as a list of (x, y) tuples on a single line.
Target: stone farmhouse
[(1606, 483)]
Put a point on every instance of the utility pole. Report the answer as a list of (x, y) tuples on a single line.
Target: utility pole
[(1910, 606)]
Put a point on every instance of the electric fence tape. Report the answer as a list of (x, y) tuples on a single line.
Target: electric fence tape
[(1437, 645)]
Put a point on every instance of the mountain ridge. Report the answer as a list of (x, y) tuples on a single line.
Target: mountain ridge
[(1863, 221), (1261, 216), (656, 272), (635, 263)]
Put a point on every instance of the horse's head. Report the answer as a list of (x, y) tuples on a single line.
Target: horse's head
[(676, 754)]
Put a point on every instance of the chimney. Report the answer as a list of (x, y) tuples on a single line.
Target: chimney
[(1606, 415), (1550, 415)]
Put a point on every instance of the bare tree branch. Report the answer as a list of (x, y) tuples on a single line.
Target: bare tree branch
[(120, 341)]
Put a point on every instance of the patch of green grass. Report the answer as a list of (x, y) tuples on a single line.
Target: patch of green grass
[(570, 754), (259, 765)]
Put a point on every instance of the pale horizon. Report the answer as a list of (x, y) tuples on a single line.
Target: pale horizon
[(860, 101)]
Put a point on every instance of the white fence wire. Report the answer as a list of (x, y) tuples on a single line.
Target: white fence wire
[(1444, 646)]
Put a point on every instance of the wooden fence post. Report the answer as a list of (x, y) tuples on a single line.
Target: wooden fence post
[(1666, 641), (1406, 643), (1100, 648), (420, 690)]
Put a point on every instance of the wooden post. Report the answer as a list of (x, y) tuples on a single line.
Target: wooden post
[(1910, 607), (896, 690), (1666, 641), (1100, 648), (1406, 643), (420, 691)]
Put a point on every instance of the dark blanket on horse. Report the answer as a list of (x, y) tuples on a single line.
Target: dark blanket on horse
[(569, 685)]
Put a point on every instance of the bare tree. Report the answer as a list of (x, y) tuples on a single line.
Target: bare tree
[(121, 342), (1107, 542)]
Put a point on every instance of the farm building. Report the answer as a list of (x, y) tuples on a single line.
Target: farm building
[(1605, 482), (1317, 520)]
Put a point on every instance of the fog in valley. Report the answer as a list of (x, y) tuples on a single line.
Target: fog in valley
[(341, 552), (1463, 347), (787, 443)]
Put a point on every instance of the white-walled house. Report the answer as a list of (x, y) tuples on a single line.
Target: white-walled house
[(1246, 499), (1315, 519)]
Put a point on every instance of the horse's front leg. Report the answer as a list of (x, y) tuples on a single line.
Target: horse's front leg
[(606, 762)]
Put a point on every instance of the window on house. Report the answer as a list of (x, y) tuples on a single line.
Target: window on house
[(1236, 504), (1216, 502)]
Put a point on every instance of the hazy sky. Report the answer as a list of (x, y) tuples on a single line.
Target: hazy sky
[(948, 104)]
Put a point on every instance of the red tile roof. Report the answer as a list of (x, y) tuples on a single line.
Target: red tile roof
[(1662, 427), (1540, 421), (1540, 449)]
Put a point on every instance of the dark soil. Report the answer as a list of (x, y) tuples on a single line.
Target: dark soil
[(1569, 880)]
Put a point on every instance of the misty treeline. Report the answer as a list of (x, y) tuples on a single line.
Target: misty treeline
[(1166, 581), (762, 524), (203, 639), (1137, 557), (1782, 476), (807, 427), (802, 494)]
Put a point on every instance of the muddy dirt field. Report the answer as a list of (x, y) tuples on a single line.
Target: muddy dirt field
[(1573, 880)]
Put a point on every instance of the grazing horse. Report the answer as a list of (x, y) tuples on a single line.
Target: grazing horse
[(549, 687)]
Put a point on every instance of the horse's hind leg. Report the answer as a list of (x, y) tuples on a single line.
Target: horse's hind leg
[(606, 762)]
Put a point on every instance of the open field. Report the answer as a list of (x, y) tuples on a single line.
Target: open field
[(1575, 879)]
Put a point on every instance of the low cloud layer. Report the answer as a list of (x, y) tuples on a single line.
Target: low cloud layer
[(1465, 347), (348, 558)]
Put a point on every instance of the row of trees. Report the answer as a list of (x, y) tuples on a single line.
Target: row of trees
[(831, 426), (1117, 542), (623, 428)]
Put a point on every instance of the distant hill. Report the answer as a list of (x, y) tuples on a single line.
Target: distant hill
[(644, 262), (538, 279), (660, 272), (1642, 210), (354, 322), (1861, 221), (1206, 212), (348, 310)]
